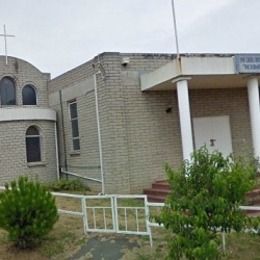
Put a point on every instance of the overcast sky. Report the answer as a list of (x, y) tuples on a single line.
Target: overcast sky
[(57, 35)]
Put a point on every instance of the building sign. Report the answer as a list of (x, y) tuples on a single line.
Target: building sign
[(247, 63)]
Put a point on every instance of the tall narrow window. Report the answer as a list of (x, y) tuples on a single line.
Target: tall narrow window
[(7, 91), (33, 144), (29, 95), (74, 125)]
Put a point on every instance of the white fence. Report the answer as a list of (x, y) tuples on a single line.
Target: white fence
[(113, 213), (107, 213)]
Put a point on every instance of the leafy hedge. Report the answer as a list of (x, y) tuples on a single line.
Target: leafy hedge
[(206, 193), (67, 185), (27, 212)]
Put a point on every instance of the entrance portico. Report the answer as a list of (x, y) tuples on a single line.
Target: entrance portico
[(206, 74)]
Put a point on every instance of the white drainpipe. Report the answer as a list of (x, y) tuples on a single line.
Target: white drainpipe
[(57, 151), (99, 133)]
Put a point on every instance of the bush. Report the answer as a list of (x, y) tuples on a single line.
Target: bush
[(67, 185), (205, 197), (27, 212)]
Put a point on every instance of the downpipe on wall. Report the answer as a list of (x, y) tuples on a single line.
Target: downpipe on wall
[(57, 151), (99, 132)]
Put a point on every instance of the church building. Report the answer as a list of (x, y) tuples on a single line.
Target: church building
[(27, 123), (118, 118), (122, 116)]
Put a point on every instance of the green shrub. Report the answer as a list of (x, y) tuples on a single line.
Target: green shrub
[(27, 212), (205, 197), (67, 185)]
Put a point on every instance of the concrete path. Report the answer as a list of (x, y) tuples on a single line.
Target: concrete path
[(106, 247)]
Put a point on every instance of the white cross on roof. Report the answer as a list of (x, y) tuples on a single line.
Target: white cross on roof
[(5, 35)]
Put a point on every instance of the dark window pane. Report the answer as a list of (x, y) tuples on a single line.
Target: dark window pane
[(7, 92), (32, 130), (75, 128), (33, 150), (73, 110), (74, 125), (76, 144), (29, 95)]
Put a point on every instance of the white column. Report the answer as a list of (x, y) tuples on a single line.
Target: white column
[(185, 118), (254, 110)]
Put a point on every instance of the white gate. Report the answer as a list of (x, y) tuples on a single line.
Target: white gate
[(126, 214)]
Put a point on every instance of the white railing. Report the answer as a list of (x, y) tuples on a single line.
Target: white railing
[(109, 220), (80, 176)]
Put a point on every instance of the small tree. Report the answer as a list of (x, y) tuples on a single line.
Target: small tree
[(27, 212), (205, 197)]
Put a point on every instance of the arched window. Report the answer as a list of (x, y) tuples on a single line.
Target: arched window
[(29, 95), (7, 91), (33, 144)]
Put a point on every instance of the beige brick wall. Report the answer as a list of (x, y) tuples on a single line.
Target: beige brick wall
[(113, 93), (153, 136), (24, 73), (138, 136), (86, 162), (12, 134), (135, 149), (13, 161), (71, 77)]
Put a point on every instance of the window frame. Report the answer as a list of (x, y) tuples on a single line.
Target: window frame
[(35, 92), (15, 91), (39, 136), (74, 119)]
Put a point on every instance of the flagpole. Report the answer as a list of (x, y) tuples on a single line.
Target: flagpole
[(175, 30)]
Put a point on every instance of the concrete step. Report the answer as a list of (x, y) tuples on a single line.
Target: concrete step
[(162, 181), (253, 201), (155, 198), (160, 189), (253, 193), (252, 213), (157, 192), (253, 197), (161, 185)]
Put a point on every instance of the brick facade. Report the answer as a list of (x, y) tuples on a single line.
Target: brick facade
[(13, 160), (24, 73), (138, 135), (140, 130)]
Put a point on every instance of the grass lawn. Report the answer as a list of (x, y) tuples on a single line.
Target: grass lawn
[(67, 237), (243, 246), (239, 247)]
